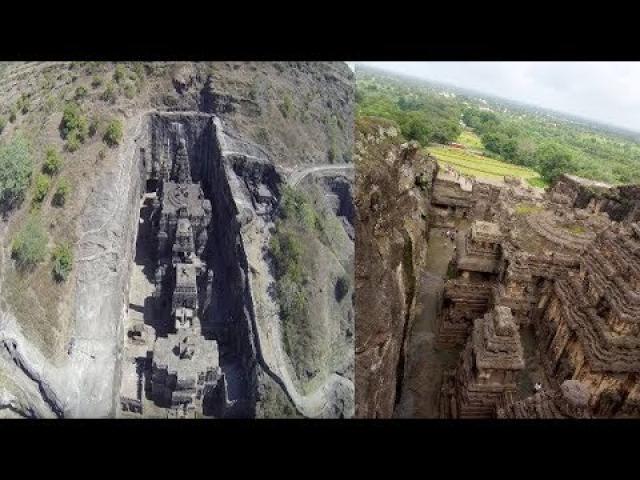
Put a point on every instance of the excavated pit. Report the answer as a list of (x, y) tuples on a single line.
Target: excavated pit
[(224, 304)]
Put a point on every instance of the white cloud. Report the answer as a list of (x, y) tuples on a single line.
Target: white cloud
[(608, 92)]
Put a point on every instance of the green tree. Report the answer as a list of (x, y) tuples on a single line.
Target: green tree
[(30, 244), (42, 187), (62, 258), (73, 142), (53, 162), (552, 160), (16, 166), (113, 134), (74, 122)]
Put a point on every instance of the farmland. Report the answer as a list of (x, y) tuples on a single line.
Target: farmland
[(481, 166)]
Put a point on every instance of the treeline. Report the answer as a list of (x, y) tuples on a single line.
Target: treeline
[(426, 118), (507, 141), (552, 148)]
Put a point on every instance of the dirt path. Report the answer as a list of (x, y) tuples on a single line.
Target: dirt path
[(330, 169)]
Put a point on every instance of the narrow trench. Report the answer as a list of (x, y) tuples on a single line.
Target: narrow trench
[(188, 350), (425, 362)]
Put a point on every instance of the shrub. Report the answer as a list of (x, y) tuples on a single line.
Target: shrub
[(342, 287), (62, 262), (74, 121), (30, 245), (109, 94), (16, 167), (12, 115), (96, 82), (138, 69), (3, 123), (296, 208), (62, 192), (52, 162), (119, 74), (130, 90), (42, 187), (113, 134), (81, 92), (73, 142)]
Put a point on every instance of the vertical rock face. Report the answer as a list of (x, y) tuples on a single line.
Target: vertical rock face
[(392, 192), (621, 203)]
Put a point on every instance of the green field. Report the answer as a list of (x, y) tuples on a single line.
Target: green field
[(470, 140), (481, 166)]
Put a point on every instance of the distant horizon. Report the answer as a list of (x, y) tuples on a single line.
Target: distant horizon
[(409, 69)]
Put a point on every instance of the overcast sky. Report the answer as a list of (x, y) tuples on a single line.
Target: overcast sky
[(605, 91)]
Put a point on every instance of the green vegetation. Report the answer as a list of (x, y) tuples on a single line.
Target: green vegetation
[(119, 73), (272, 402), (109, 94), (527, 208), (73, 142), (290, 247), (30, 245), (3, 124), (74, 126), (16, 166), (576, 229), (81, 92), (470, 140), (421, 115), (544, 143), (113, 134), (62, 192), (42, 188), (62, 258), (96, 82), (53, 162), (479, 166), (130, 89), (128, 79)]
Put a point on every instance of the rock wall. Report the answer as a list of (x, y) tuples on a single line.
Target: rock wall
[(392, 199)]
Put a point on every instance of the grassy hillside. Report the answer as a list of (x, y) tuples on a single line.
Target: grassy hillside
[(470, 163), (482, 166)]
